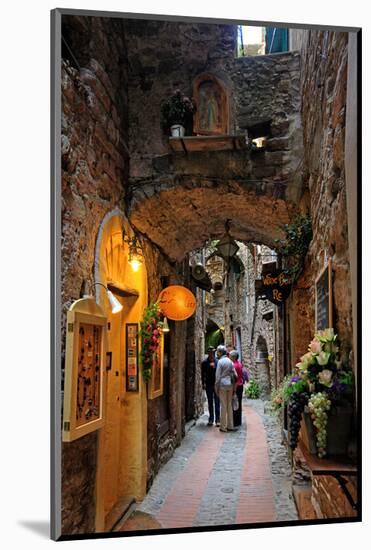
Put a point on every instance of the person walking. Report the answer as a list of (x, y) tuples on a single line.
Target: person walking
[(237, 415), (208, 370), (224, 380)]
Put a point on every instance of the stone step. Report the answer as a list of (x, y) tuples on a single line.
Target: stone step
[(122, 510)]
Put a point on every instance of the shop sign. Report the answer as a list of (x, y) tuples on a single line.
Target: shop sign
[(177, 302), (276, 286)]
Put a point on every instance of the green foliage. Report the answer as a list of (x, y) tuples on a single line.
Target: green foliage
[(214, 338), (294, 246), (252, 390), (291, 386), (150, 330)]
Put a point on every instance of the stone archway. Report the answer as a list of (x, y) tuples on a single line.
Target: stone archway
[(180, 214), (214, 335), (262, 369)]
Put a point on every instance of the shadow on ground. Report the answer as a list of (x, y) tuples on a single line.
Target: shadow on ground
[(41, 528)]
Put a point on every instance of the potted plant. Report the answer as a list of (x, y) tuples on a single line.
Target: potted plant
[(177, 113), (319, 398)]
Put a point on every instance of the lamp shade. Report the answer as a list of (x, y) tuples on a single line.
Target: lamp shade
[(177, 302), (227, 246), (165, 325), (115, 304)]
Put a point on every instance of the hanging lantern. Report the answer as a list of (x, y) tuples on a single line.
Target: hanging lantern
[(227, 246), (177, 302)]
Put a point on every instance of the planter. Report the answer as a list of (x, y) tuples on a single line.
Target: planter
[(177, 130), (339, 426)]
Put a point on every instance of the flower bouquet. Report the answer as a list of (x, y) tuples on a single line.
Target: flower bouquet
[(150, 332), (321, 381), (177, 109)]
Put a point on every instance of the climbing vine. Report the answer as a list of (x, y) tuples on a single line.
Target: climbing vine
[(150, 332), (294, 246)]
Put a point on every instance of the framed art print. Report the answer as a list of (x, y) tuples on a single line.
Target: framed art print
[(132, 357), (201, 170)]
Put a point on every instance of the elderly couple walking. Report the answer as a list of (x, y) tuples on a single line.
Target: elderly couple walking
[(222, 378)]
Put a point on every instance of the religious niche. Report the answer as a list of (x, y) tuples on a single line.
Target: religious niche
[(212, 115)]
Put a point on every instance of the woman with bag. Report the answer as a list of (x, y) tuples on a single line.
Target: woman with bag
[(237, 408), (224, 381)]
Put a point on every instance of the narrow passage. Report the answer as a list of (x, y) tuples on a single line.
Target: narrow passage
[(217, 478)]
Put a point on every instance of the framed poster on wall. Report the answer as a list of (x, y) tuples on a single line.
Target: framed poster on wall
[(84, 369), (131, 344)]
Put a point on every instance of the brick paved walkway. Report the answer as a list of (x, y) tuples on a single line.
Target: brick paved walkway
[(214, 478)]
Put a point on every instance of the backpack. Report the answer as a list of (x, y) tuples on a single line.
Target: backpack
[(245, 374)]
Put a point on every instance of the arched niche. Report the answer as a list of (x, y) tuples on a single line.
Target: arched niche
[(212, 106), (262, 369), (122, 454)]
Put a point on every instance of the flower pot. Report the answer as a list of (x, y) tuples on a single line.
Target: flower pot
[(339, 426), (177, 130)]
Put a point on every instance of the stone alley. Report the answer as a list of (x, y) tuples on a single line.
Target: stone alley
[(207, 246), (222, 479)]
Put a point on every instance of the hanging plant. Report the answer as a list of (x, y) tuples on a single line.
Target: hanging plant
[(150, 332), (294, 246)]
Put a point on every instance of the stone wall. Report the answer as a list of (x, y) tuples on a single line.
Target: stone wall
[(94, 168), (164, 56), (264, 90), (324, 83)]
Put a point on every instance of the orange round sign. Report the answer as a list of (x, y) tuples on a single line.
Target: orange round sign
[(177, 302)]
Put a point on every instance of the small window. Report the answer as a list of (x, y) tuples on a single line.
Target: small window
[(250, 41), (261, 40)]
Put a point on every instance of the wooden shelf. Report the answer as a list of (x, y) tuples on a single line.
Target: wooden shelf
[(327, 466), (190, 144)]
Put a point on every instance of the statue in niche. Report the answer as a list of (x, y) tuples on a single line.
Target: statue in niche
[(211, 117)]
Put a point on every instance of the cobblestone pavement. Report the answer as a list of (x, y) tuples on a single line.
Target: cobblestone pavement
[(217, 478)]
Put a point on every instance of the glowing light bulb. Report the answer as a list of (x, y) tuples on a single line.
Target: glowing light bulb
[(135, 264)]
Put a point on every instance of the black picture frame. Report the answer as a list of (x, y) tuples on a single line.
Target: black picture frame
[(131, 357), (108, 360), (323, 305)]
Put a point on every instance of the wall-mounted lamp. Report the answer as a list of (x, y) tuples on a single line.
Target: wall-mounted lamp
[(135, 250), (165, 325), (115, 304)]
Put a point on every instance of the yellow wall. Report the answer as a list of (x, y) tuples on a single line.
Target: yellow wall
[(122, 461)]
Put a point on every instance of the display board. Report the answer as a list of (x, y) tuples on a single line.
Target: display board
[(323, 309), (84, 369)]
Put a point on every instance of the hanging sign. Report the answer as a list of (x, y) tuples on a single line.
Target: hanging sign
[(177, 302), (276, 286)]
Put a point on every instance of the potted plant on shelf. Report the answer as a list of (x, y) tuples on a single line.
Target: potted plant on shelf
[(177, 114), (319, 398)]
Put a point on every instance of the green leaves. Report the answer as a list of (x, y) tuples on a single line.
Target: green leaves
[(294, 246), (252, 390), (150, 334)]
